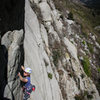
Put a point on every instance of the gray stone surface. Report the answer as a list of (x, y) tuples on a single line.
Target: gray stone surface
[(46, 89), (39, 42), (13, 42), (7, 39)]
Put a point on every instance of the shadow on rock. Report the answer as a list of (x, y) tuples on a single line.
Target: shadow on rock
[(5, 99), (3, 69)]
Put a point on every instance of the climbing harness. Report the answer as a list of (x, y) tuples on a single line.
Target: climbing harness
[(29, 89)]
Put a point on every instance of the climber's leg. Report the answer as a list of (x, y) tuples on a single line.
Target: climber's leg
[(26, 96)]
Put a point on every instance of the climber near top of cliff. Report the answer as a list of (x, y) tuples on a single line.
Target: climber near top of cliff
[(28, 87)]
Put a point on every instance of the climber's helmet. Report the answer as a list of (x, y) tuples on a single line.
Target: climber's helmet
[(28, 70)]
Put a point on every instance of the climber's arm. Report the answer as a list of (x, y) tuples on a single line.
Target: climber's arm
[(23, 68), (21, 78)]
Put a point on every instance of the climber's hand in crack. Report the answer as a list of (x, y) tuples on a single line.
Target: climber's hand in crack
[(21, 78), (19, 74)]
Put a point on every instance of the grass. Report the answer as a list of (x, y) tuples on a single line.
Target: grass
[(56, 56), (60, 5), (86, 16), (98, 40), (86, 65), (90, 47), (57, 52), (99, 70)]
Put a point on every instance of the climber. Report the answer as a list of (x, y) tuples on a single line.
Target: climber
[(28, 87)]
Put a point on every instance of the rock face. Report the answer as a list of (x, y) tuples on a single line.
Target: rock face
[(48, 50), (45, 88), (57, 72), (11, 54)]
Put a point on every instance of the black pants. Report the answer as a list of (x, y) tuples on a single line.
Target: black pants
[(26, 96)]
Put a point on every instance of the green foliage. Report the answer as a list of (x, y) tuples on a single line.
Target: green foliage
[(86, 65), (90, 96), (98, 86), (50, 75), (88, 18), (82, 95), (84, 42), (70, 16), (60, 5), (56, 56), (98, 40), (90, 47), (84, 30), (72, 42), (99, 70), (85, 34), (78, 97)]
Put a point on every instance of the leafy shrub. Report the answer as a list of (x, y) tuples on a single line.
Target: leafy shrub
[(78, 97), (84, 42), (90, 47), (70, 16), (86, 65), (90, 96), (56, 56), (82, 95), (50, 75), (99, 70), (98, 40)]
